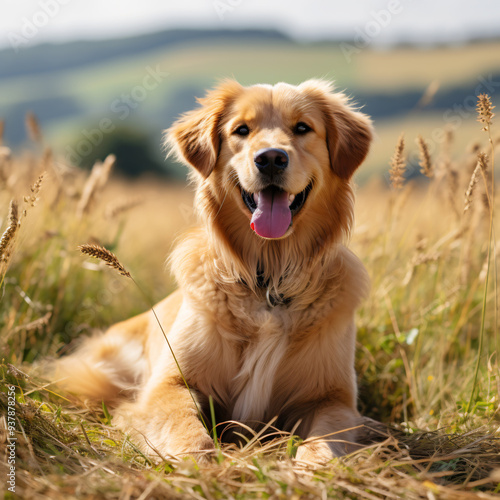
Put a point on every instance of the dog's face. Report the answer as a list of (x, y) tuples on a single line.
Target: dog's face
[(275, 156)]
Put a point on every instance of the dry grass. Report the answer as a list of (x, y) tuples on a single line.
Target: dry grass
[(117, 208), (10, 232), (470, 188), (99, 462), (485, 111), (427, 340), (96, 181), (425, 157), (99, 252), (398, 164), (33, 128)]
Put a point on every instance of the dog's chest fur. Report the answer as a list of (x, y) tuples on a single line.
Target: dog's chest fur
[(256, 360), (260, 362)]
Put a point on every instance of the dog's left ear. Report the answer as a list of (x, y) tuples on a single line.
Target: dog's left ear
[(195, 137), (348, 132)]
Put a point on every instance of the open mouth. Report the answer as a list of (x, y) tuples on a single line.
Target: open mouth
[(273, 209)]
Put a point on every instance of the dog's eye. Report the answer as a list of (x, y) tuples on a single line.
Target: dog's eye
[(242, 130), (301, 128)]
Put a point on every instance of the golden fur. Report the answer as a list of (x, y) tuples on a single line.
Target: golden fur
[(289, 355)]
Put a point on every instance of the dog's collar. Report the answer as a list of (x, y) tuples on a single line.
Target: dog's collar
[(272, 299)]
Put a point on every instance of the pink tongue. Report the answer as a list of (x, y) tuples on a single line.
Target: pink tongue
[(272, 217)]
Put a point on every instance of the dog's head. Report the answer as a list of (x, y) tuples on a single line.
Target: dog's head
[(274, 161)]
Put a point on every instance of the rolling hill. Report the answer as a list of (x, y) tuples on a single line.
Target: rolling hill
[(94, 92)]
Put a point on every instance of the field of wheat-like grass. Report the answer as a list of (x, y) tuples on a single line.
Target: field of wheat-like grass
[(428, 338)]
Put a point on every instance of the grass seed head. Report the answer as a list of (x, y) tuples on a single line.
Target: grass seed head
[(398, 164), (474, 147), (429, 94), (35, 189), (10, 232), (109, 258), (95, 182), (13, 213), (424, 157), (5, 159), (482, 165), (484, 110), (448, 138), (470, 188), (107, 167), (33, 127), (482, 161), (453, 185)]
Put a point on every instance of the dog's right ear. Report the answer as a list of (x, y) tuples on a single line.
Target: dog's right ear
[(195, 137)]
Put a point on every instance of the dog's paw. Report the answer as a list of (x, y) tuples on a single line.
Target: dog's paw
[(160, 439), (316, 454), (320, 452), (201, 448)]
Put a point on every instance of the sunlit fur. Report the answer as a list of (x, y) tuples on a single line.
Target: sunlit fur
[(295, 360)]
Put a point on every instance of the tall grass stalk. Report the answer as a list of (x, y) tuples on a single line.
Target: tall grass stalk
[(493, 241), (111, 260), (485, 115)]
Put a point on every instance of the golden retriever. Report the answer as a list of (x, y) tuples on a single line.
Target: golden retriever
[(263, 320)]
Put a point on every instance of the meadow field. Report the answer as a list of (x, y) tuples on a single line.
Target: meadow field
[(71, 99), (428, 340)]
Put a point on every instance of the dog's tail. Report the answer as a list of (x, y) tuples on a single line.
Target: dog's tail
[(112, 366), (107, 367)]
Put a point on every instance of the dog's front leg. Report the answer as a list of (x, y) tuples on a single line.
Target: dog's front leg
[(164, 418), (332, 434), (165, 421)]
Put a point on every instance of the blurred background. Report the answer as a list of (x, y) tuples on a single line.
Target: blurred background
[(106, 78)]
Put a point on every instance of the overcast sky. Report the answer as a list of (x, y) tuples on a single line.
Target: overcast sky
[(424, 21)]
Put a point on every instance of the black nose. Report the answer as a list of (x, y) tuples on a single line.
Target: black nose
[(271, 161)]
